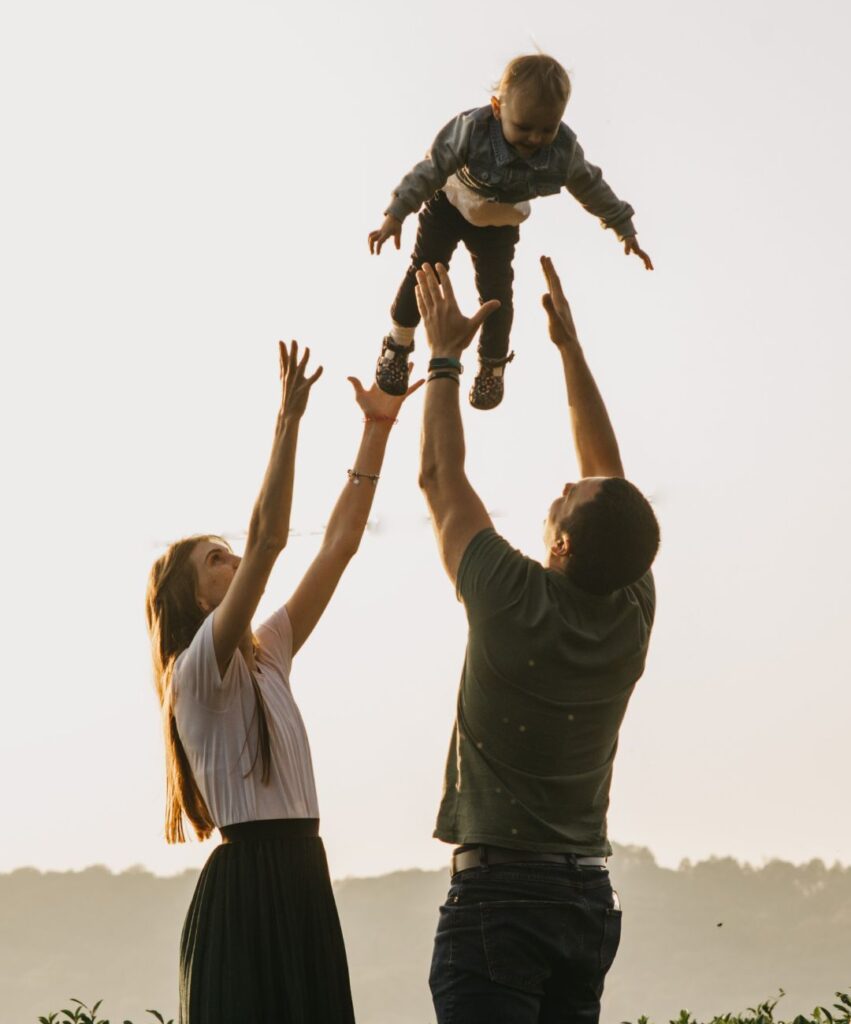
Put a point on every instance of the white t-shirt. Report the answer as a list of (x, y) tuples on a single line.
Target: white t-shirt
[(213, 716), (483, 212)]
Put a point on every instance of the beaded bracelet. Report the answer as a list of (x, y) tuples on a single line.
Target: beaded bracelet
[(356, 477), (445, 363)]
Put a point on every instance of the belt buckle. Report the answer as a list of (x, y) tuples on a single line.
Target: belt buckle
[(453, 862), (459, 854)]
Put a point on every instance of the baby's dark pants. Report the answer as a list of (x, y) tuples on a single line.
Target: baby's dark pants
[(441, 227)]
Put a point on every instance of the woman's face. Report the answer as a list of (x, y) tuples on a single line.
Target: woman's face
[(215, 565)]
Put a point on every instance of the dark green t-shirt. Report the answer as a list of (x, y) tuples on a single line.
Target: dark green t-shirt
[(547, 676)]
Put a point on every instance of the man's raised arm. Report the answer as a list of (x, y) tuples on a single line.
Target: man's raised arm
[(457, 511), (593, 435)]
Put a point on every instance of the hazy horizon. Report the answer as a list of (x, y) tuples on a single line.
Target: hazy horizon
[(683, 864), (727, 936), (177, 201)]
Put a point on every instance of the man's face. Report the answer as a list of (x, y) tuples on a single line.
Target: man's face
[(528, 123), (572, 497)]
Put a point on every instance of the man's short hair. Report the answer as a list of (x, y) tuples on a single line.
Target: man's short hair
[(613, 538)]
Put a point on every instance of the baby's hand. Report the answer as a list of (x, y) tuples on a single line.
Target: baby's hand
[(391, 228), (630, 244)]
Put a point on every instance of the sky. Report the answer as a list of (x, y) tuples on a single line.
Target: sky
[(184, 183)]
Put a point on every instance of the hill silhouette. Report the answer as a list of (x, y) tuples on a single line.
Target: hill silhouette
[(712, 936)]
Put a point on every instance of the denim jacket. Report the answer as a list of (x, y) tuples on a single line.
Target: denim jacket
[(473, 147)]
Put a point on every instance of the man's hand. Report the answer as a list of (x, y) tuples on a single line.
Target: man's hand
[(630, 244), (593, 436), (391, 228), (448, 331), (562, 328)]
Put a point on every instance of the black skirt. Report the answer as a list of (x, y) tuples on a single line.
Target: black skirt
[(262, 942)]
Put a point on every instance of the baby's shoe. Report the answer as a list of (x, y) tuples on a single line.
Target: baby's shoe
[(488, 384), (391, 370)]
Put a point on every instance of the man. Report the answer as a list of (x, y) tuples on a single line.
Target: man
[(531, 924)]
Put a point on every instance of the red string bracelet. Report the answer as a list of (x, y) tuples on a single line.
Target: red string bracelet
[(380, 419)]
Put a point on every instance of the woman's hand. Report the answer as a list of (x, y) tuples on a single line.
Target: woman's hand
[(348, 520), (295, 384), (391, 228), (630, 245), (269, 528), (377, 406)]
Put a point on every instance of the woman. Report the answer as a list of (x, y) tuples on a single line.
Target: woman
[(262, 940)]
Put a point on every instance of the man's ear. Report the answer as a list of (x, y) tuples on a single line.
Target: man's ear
[(560, 547), (495, 107)]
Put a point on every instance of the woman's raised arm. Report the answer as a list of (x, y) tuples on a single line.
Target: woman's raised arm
[(349, 518), (270, 520)]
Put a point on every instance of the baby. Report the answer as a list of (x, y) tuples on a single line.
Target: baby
[(476, 182)]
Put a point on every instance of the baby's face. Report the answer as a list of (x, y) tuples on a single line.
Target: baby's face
[(528, 122)]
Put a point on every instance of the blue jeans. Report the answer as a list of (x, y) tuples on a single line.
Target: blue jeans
[(524, 944)]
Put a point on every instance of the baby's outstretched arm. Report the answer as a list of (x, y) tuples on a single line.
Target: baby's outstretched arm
[(630, 244), (585, 182), (446, 154)]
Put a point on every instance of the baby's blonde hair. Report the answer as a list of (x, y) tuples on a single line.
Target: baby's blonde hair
[(536, 71)]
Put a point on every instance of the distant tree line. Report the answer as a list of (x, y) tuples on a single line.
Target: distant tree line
[(711, 936)]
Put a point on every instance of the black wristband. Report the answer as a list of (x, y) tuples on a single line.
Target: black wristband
[(448, 374), (445, 363)]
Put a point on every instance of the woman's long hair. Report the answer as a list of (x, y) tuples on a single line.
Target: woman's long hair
[(173, 617)]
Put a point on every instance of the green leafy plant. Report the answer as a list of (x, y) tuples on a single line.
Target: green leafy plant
[(82, 1014), (764, 1014)]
